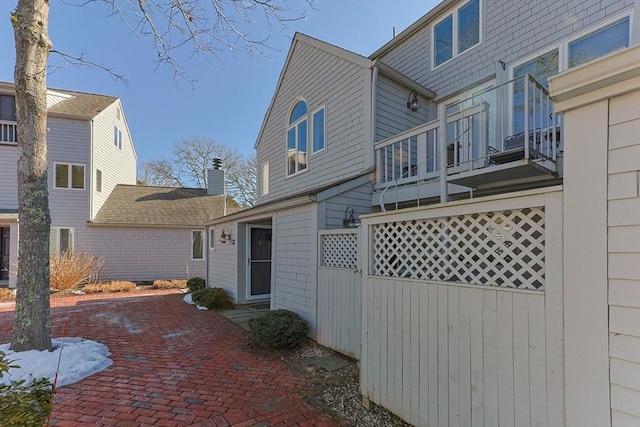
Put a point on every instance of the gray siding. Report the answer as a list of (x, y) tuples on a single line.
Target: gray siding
[(343, 87), (359, 199), (295, 236), (223, 261), (141, 253), (118, 166), (512, 31), (8, 177), (68, 142), (392, 115)]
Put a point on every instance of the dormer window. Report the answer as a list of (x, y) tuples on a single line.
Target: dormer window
[(297, 133)]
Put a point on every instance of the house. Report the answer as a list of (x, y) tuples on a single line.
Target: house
[(458, 292), (90, 151)]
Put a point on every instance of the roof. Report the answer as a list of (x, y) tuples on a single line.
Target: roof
[(141, 205), (83, 105)]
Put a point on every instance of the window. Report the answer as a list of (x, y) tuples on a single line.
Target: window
[(212, 238), (8, 108), (61, 240), (318, 130), (69, 176), (98, 180), (197, 237), (599, 43), (297, 139), (456, 33), (265, 179), (117, 137)]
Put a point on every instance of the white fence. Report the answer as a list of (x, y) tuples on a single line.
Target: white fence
[(339, 292), (462, 312)]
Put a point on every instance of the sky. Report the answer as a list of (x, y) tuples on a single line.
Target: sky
[(230, 95)]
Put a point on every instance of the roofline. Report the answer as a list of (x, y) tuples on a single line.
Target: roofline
[(398, 77), (262, 209), (413, 28), (137, 225), (321, 45)]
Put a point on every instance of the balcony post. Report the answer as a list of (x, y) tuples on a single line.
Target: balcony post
[(442, 144)]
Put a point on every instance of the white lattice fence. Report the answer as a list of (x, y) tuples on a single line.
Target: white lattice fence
[(339, 250), (502, 248)]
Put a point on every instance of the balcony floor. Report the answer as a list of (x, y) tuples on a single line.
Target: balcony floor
[(507, 173)]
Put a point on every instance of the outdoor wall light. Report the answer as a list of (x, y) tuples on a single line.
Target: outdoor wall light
[(412, 102), (226, 236)]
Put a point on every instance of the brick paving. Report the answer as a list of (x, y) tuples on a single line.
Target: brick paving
[(173, 365)]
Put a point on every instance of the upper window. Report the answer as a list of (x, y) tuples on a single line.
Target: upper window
[(599, 43), (265, 179), (297, 139), (69, 176), (317, 119), (117, 137), (8, 108), (98, 180), (456, 33), (197, 244)]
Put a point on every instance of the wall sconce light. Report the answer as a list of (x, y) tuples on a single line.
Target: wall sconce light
[(225, 236), (349, 220), (412, 102)]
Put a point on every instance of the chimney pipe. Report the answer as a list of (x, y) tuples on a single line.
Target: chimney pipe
[(215, 179)]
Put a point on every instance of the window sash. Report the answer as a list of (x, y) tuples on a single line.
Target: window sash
[(598, 43), (456, 33), (443, 41), (197, 251), (318, 130), (68, 175), (98, 180), (468, 25), (297, 147)]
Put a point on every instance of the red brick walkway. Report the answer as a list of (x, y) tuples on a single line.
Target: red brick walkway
[(173, 366)]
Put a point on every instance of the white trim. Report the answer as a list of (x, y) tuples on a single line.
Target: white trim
[(324, 132), (264, 183), (212, 238), (294, 125), (453, 13), (70, 176), (72, 242), (192, 241), (248, 296)]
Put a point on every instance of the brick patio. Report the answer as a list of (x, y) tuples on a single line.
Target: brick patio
[(173, 366)]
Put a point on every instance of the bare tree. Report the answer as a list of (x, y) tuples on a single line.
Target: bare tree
[(192, 158), (195, 26)]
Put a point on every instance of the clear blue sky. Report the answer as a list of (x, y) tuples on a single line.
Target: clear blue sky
[(230, 98)]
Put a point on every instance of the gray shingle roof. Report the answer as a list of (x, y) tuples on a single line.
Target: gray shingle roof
[(159, 206), (82, 104)]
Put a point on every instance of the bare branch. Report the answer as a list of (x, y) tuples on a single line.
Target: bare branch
[(82, 61)]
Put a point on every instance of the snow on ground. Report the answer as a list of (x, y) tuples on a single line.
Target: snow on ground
[(188, 300), (80, 359)]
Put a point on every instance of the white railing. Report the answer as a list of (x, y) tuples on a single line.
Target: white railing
[(484, 130), (8, 131)]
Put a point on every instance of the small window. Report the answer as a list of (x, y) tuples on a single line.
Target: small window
[(117, 137), (318, 130), (98, 180), (297, 139), (69, 176), (599, 43), (212, 238), (8, 108), (197, 244), (456, 33), (61, 241), (265, 179)]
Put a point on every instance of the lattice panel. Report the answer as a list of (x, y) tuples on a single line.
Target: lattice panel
[(503, 249), (339, 250)]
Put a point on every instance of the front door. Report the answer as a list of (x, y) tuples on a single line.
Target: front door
[(259, 283), (4, 253)]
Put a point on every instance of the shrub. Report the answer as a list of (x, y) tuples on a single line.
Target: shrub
[(278, 329), (195, 284), (73, 269), (7, 294), (24, 404), (117, 286), (169, 284), (212, 298)]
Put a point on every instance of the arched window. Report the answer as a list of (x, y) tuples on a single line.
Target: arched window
[(297, 139)]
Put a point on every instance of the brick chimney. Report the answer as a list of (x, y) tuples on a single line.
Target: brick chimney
[(215, 179)]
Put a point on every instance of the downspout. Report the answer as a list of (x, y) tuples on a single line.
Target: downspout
[(91, 172), (208, 248), (374, 103)]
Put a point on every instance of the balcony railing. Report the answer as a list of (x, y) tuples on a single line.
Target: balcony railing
[(8, 132), (511, 124)]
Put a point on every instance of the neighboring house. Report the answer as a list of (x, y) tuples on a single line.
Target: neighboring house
[(144, 233), (474, 310), (89, 152)]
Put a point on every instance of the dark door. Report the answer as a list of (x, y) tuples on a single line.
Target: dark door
[(260, 262), (4, 253)]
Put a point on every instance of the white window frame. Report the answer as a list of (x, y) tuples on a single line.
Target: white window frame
[(212, 238), (69, 176), (117, 137), (98, 181), (454, 14), (265, 178), (192, 241), (295, 125), (324, 130), (56, 249)]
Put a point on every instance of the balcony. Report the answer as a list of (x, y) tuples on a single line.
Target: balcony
[(8, 132), (500, 136)]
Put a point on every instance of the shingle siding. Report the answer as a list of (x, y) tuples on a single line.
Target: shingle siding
[(358, 199), (223, 261), (343, 87), (511, 31), (141, 253)]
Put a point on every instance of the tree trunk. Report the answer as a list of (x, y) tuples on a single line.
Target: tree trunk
[(32, 328)]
